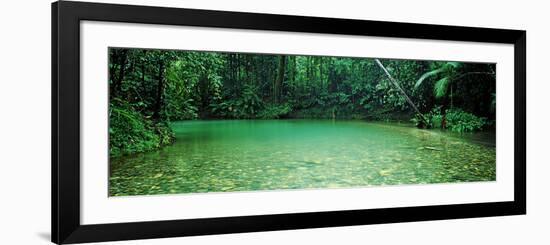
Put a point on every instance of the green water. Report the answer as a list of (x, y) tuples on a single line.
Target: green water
[(225, 156)]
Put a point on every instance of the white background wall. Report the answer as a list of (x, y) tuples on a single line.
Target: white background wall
[(25, 121)]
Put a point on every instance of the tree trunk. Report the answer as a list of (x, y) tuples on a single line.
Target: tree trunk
[(321, 77), (122, 66), (143, 72), (143, 84), (333, 79), (279, 79), (204, 90), (113, 60), (293, 76), (160, 88), (451, 96)]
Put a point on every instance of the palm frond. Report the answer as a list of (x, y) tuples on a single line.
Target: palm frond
[(426, 75), (454, 64), (440, 87)]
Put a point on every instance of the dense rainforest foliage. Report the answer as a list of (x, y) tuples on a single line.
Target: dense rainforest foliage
[(149, 88)]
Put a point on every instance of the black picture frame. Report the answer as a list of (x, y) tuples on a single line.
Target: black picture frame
[(66, 17)]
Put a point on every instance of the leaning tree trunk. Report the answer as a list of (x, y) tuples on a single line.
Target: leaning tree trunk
[(396, 84)]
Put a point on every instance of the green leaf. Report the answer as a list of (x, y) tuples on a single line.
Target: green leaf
[(454, 64), (440, 88), (427, 75)]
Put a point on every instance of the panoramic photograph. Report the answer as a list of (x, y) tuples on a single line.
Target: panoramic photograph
[(183, 122)]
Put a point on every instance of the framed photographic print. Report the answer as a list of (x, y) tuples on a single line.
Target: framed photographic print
[(176, 122)]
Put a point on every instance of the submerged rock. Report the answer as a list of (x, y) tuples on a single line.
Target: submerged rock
[(385, 172), (428, 148)]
